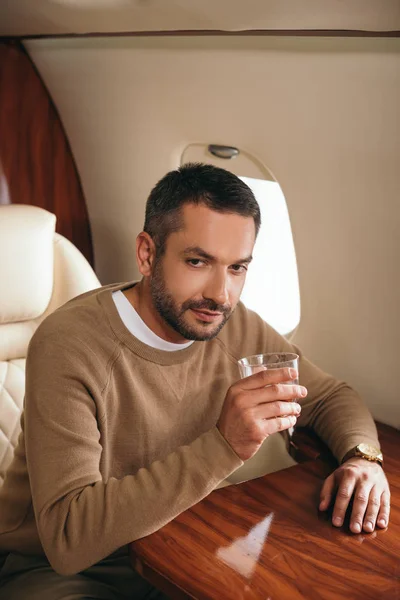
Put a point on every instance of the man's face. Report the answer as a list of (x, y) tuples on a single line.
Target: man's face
[(196, 284)]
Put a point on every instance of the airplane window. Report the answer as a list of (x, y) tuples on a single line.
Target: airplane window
[(272, 287)]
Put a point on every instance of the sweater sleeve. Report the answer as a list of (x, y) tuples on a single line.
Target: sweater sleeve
[(80, 518), (332, 408)]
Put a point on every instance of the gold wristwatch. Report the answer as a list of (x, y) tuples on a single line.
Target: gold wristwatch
[(366, 451)]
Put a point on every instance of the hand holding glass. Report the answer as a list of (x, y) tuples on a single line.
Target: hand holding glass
[(260, 405), (265, 362)]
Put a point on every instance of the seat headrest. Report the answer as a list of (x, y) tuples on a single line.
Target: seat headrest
[(26, 261)]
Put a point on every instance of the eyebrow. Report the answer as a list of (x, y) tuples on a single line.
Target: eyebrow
[(200, 252)]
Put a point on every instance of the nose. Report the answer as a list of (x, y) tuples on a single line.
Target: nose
[(217, 289)]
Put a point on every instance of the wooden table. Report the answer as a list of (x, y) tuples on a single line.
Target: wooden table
[(266, 540)]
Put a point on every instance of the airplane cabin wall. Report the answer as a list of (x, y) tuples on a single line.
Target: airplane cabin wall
[(322, 114)]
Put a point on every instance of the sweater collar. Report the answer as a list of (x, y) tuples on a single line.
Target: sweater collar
[(160, 357)]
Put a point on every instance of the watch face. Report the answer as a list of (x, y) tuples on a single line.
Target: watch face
[(368, 449)]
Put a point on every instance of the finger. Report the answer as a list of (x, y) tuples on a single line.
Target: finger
[(272, 426), (384, 512), (327, 491), (361, 499), (271, 410), (266, 377), (281, 391), (374, 504), (343, 497)]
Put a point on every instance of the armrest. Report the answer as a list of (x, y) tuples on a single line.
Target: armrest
[(305, 445)]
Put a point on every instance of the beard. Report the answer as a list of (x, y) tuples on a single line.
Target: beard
[(174, 313)]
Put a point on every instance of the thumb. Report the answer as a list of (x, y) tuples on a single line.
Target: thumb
[(327, 492)]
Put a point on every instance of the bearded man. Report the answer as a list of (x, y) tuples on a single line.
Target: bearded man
[(134, 411)]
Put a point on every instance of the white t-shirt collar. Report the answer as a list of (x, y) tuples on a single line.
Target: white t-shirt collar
[(138, 327)]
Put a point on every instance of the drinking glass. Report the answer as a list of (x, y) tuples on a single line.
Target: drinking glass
[(273, 360)]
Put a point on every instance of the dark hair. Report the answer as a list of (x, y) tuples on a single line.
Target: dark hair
[(196, 183)]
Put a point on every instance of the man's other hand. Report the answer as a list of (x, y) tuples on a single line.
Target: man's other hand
[(366, 483)]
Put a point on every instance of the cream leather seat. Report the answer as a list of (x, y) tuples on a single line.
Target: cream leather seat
[(39, 271)]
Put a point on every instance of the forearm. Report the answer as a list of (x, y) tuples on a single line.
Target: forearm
[(341, 420), (89, 523)]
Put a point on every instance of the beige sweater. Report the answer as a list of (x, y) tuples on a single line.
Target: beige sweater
[(119, 438)]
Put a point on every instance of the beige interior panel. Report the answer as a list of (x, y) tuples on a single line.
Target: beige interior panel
[(27, 17), (321, 114)]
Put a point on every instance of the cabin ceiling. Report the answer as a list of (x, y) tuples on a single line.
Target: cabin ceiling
[(55, 17)]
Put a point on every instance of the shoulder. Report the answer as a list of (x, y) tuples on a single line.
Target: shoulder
[(79, 324)]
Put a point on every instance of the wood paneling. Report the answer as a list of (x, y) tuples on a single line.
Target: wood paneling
[(37, 166), (266, 539)]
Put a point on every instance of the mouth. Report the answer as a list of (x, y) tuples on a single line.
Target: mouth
[(207, 316)]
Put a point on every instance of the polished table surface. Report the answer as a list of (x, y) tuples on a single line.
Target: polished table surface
[(265, 539)]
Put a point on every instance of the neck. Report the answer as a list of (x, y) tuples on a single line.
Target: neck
[(140, 298)]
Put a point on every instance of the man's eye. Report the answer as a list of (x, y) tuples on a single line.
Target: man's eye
[(239, 268), (195, 262)]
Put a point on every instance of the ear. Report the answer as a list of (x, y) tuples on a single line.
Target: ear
[(145, 253)]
